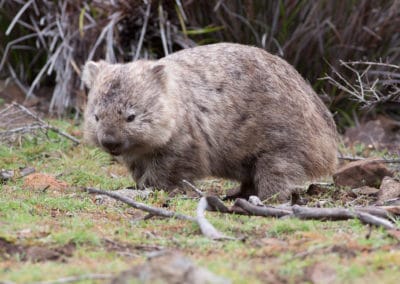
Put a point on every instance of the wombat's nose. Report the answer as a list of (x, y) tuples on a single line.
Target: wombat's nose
[(111, 145)]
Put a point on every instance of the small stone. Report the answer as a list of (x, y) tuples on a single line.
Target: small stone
[(368, 172), (6, 175), (390, 189), (26, 171), (168, 267)]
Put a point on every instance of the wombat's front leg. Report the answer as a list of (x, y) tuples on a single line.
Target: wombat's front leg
[(245, 190)]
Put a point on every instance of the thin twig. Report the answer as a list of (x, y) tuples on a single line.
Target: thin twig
[(373, 63), (47, 125), (143, 31), (162, 28), (195, 189), (383, 160), (150, 209), (72, 279)]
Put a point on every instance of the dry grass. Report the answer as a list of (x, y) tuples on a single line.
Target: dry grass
[(46, 42)]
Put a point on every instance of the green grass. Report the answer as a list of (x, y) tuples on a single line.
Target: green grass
[(272, 249)]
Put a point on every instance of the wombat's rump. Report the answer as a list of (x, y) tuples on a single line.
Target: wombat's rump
[(224, 110)]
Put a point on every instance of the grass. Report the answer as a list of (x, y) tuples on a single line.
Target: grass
[(274, 250)]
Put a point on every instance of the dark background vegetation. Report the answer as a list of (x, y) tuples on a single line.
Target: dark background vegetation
[(43, 43)]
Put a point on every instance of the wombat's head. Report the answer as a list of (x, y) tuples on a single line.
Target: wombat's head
[(128, 109)]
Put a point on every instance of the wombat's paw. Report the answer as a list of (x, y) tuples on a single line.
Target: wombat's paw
[(234, 193)]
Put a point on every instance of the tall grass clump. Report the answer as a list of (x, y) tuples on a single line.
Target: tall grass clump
[(48, 41)]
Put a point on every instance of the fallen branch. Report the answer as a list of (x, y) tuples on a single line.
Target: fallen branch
[(331, 214), (79, 278), (367, 218), (377, 211), (351, 158), (261, 211), (150, 209), (195, 189), (334, 214), (46, 125), (369, 215), (206, 227)]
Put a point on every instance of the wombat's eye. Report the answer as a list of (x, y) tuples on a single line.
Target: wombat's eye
[(130, 118), (96, 117)]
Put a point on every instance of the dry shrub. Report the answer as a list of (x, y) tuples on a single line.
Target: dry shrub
[(50, 40)]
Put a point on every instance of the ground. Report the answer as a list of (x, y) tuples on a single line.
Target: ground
[(50, 228)]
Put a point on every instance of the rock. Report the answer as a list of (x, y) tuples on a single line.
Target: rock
[(368, 172), (390, 189), (321, 273), (365, 190), (6, 175), (168, 267), (381, 133), (26, 171)]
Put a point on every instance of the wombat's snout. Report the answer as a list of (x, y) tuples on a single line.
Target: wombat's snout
[(113, 146)]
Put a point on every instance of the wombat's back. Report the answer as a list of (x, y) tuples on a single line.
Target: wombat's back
[(248, 103)]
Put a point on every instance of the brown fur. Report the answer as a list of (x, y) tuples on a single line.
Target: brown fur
[(224, 110)]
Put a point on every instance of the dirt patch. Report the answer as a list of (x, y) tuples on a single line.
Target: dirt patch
[(9, 249), (39, 181), (40, 253)]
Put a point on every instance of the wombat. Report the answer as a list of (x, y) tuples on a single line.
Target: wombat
[(224, 110)]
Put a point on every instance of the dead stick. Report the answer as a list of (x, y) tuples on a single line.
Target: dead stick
[(340, 214), (47, 125), (261, 211), (367, 218), (216, 204), (376, 211), (351, 158), (78, 278), (152, 210), (332, 214), (195, 189), (206, 227)]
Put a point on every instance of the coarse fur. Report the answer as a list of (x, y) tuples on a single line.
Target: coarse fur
[(224, 110)]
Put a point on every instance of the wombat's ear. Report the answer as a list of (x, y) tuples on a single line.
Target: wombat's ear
[(89, 73), (158, 72)]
